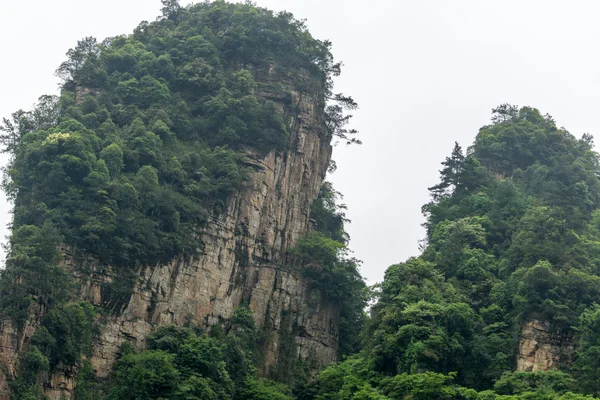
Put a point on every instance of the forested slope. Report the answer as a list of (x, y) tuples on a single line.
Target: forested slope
[(512, 242), (170, 186)]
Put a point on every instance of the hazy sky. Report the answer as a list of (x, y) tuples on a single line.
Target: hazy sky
[(425, 73)]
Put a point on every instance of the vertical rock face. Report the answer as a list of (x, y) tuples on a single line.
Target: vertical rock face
[(542, 348), (242, 261), (13, 339)]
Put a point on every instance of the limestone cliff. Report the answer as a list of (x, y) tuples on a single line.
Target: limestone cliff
[(542, 348), (242, 260)]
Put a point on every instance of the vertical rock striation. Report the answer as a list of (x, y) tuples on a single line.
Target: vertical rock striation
[(542, 348)]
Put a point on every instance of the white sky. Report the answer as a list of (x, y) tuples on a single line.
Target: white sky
[(425, 73)]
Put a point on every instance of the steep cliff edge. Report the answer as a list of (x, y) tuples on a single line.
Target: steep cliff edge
[(167, 186), (243, 260)]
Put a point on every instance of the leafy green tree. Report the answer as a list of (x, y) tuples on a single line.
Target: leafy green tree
[(511, 233), (83, 64), (67, 334), (181, 363), (549, 382), (171, 9), (148, 375), (587, 354), (424, 386), (328, 215), (259, 389), (113, 157), (203, 356)]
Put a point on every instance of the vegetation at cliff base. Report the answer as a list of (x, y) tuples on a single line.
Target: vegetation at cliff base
[(181, 363)]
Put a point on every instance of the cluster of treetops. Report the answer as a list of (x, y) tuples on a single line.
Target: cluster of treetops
[(150, 136)]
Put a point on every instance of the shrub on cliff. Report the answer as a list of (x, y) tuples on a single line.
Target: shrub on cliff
[(183, 364)]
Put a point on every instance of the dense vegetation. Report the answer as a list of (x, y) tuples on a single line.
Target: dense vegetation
[(181, 363), (326, 263), (147, 134), (512, 236)]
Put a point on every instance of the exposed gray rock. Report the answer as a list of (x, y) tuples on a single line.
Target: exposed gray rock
[(542, 348)]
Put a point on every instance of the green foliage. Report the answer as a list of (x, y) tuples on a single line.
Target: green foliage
[(203, 356), (67, 333), (351, 379), (512, 236), (149, 375), (241, 348), (263, 389), (149, 138), (168, 338), (326, 264), (424, 386), (422, 323), (587, 367), (32, 272), (181, 363), (328, 215), (452, 174), (26, 386), (545, 382), (65, 338), (87, 386)]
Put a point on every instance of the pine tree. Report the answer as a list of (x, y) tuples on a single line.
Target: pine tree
[(450, 175)]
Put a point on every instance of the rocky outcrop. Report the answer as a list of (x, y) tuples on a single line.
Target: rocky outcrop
[(13, 339), (542, 348), (61, 384), (242, 261)]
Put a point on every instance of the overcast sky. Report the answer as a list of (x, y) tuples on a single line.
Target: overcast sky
[(425, 73)]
